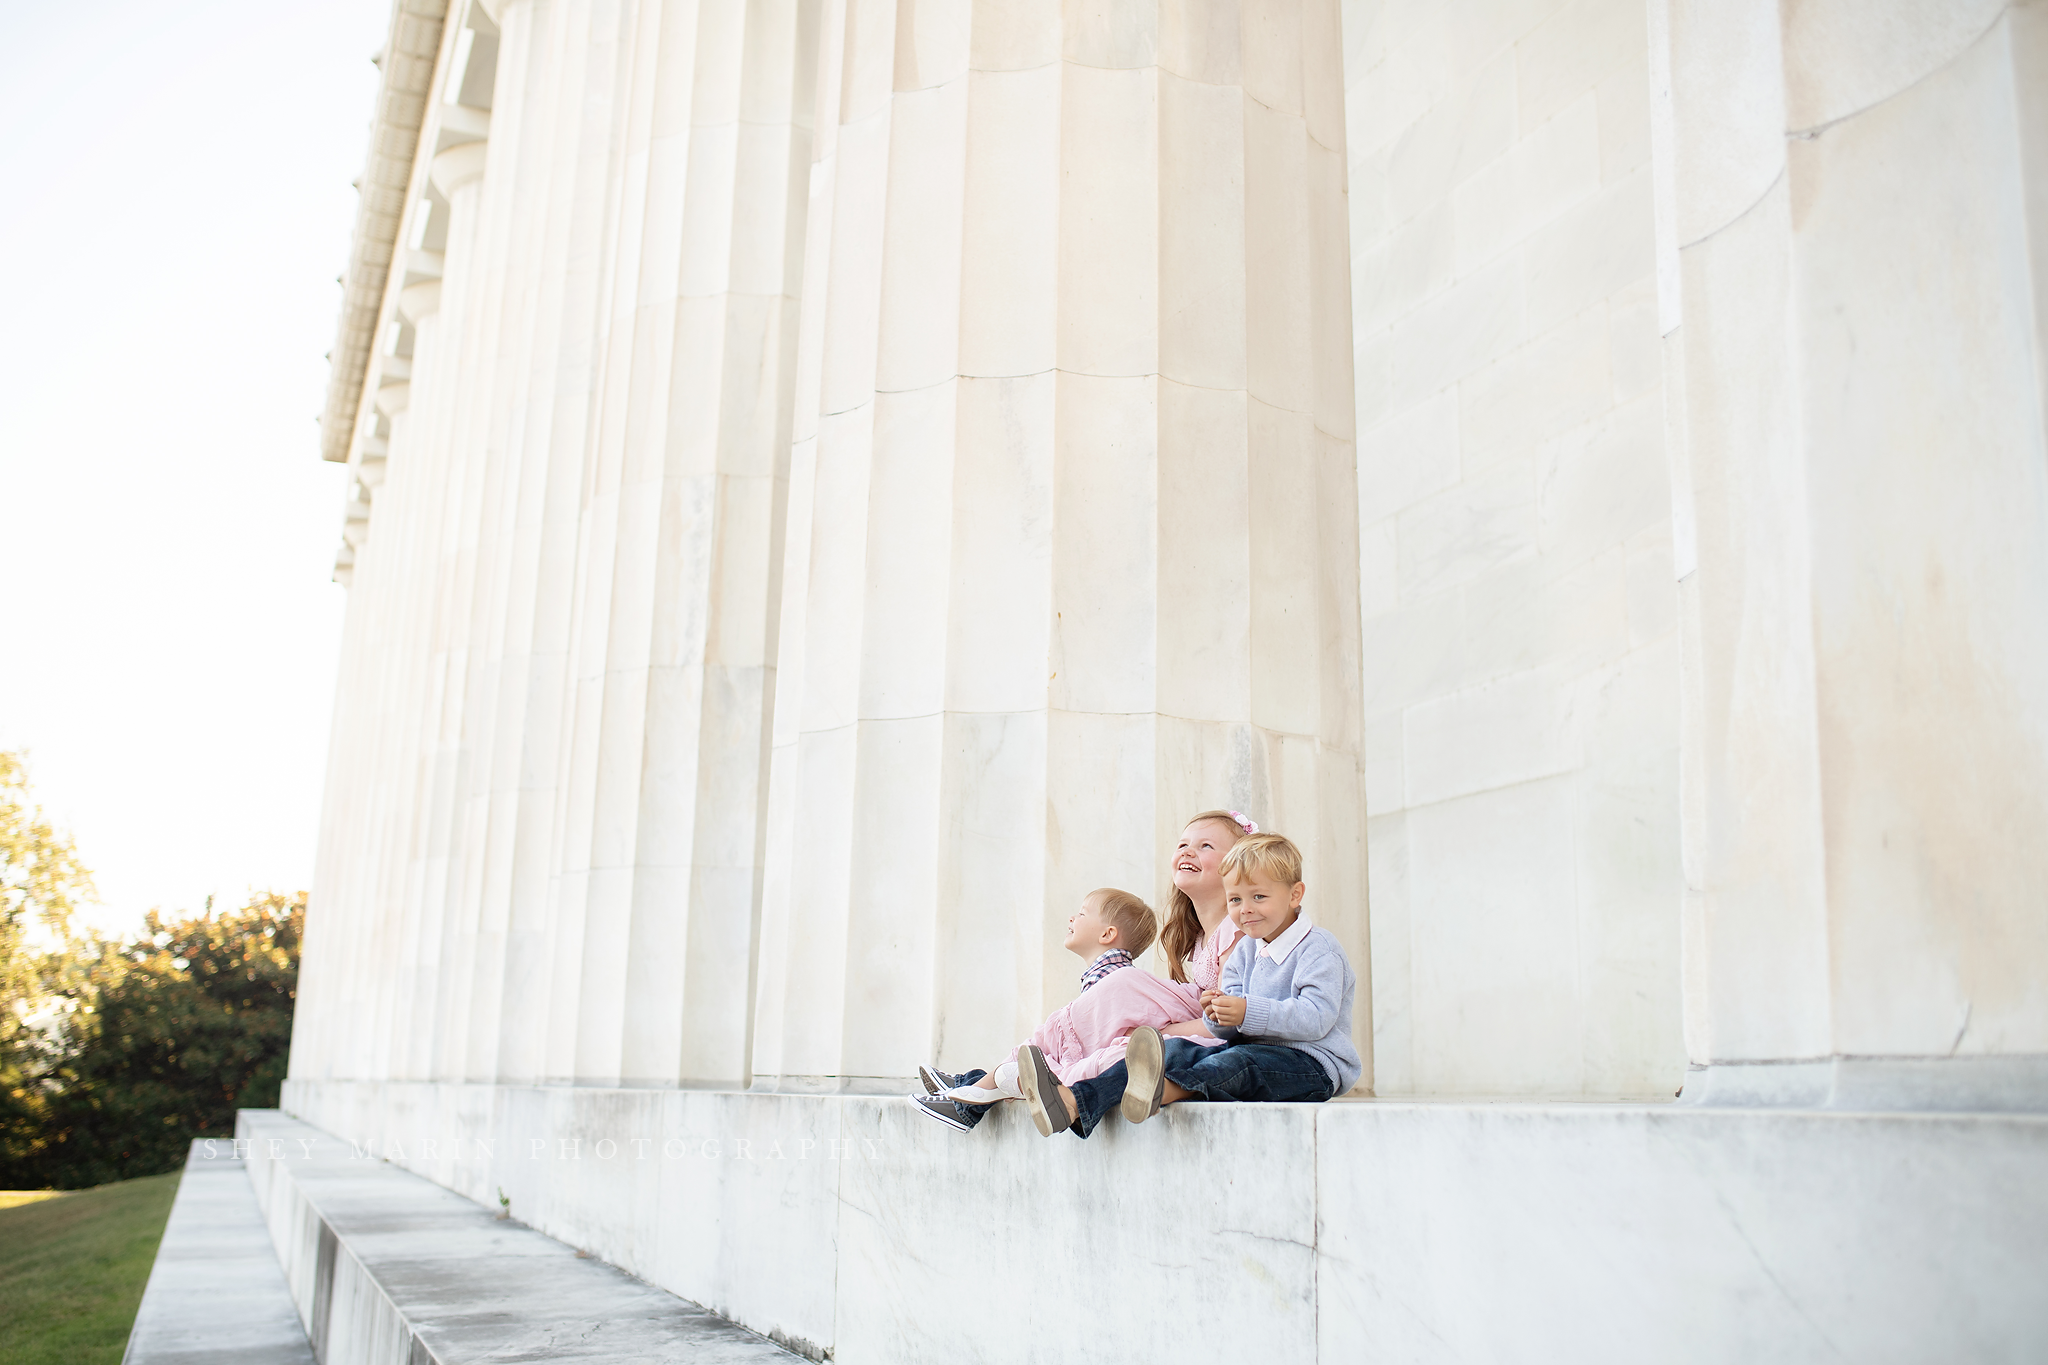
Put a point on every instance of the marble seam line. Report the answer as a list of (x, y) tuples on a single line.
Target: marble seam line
[(1792, 1301), (1086, 66), (637, 307), (1073, 374), (1808, 134), (1752, 207), (1063, 711)]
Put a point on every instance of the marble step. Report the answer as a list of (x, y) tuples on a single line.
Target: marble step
[(216, 1295), (388, 1268)]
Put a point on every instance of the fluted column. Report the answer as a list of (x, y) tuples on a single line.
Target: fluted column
[(661, 607), (554, 137), (1072, 546), (447, 919), (1852, 244)]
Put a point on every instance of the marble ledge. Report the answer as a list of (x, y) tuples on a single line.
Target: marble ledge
[(1425, 1230)]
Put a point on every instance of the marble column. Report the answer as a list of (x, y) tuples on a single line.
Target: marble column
[(1853, 224), (1072, 540), (667, 671)]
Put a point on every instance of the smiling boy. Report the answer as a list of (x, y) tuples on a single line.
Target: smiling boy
[(1283, 1011), (1284, 1004)]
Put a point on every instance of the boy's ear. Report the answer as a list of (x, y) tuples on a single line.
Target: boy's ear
[(1112, 937), (1294, 901)]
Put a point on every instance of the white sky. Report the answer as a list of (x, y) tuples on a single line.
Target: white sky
[(174, 207)]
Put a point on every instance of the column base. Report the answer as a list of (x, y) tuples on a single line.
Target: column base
[(1876, 1085)]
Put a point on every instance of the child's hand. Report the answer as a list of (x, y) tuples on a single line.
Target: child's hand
[(1227, 1010), (1209, 995)]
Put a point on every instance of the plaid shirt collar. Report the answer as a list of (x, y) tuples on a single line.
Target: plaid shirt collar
[(1104, 965)]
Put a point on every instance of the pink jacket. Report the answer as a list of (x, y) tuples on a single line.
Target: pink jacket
[(1086, 1038)]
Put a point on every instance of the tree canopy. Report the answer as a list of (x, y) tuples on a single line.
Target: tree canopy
[(115, 1055)]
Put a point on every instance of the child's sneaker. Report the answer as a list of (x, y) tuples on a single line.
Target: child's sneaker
[(952, 1113), (937, 1082), (1145, 1073), (1042, 1092)]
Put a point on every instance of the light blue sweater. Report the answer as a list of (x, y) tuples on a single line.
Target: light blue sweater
[(1304, 1002)]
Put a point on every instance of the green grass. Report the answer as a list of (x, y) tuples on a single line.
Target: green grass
[(72, 1269)]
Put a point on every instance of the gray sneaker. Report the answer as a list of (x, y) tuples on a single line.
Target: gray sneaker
[(1145, 1068), (952, 1113), (1042, 1092), (937, 1082)]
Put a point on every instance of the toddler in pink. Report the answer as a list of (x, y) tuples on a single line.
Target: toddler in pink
[(1085, 1037)]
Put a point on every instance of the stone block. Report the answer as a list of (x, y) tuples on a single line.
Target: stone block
[(1603, 485), (1109, 252), (1594, 251), (1458, 534), (1408, 458), (1470, 126), (1105, 544), (1474, 322), (999, 585), (1555, 382), (1415, 261), (1010, 221), (1494, 904), (921, 254), (1571, 52), (1552, 167), (1202, 226)]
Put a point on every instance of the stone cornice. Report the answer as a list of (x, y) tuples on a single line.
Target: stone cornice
[(410, 54)]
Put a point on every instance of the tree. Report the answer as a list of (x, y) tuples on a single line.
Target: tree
[(171, 1034), (42, 882), (114, 1056)]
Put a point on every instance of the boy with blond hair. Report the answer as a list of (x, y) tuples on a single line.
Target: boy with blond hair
[(1283, 1009)]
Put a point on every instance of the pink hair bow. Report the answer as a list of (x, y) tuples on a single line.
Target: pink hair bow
[(1250, 827)]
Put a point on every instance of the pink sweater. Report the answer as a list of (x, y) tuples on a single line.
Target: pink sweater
[(1086, 1038)]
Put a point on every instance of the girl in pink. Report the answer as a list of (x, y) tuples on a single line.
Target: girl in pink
[(1199, 934), (1083, 1039)]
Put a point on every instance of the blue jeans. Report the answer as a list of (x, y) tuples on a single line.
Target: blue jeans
[(1267, 1072)]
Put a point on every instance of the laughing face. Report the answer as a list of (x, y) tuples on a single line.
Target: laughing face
[(1198, 856)]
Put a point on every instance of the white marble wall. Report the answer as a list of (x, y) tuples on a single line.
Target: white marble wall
[(1520, 642), (1070, 542), (1855, 227), (1044, 509), (795, 555)]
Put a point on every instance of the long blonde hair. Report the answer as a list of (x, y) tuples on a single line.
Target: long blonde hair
[(1183, 926)]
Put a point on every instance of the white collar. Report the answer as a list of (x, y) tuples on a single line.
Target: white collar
[(1278, 948)]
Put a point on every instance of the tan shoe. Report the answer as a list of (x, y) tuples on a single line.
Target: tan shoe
[(1145, 1067), (1042, 1092)]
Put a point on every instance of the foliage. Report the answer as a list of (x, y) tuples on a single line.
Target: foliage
[(72, 1271), (170, 1035), (113, 1056), (41, 883)]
